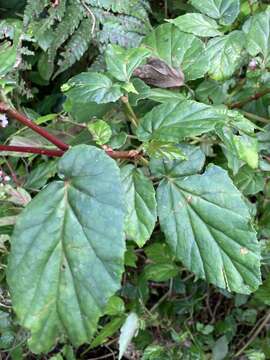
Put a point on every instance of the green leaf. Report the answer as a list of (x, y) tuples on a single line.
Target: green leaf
[(220, 348), (179, 50), (128, 331), (156, 94), (174, 122), (122, 62), (212, 92), (40, 175), (243, 147), (197, 24), (257, 30), (107, 330), (225, 11), (160, 272), (140, 203), (160, 149), (207, 225), (263, 293), (100, 131), (90, 86), (66, 261), (192, 164), (250, 182), (225, 54), (115, 306)]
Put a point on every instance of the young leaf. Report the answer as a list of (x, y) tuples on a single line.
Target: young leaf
[(197, 24), (128, 331), (159, 95), (250, 182), (66, 261), (100, 131), (225, 11), (160, 149), (174, 121), (160, 272), (225, 54), (90, 86), (179, 50), (121, 62), (207, 225), (141, 204), (193, 163)]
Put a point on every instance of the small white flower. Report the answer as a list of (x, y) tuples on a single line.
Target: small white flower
[(3, 120), (6, 178)]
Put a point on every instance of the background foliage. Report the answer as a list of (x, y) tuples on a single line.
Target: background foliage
[(146, 234)]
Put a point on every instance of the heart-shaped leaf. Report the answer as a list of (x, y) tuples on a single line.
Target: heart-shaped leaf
[(67, 250)]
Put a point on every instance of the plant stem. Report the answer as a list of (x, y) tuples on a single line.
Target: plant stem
[(255, 334), (255, 117), (131, 154), (32, 150), (130, 112), (239, 104), (4, 108)]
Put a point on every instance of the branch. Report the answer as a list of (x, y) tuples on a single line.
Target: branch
[(132, 154), (4, 108), (256, 96), (32, 150)]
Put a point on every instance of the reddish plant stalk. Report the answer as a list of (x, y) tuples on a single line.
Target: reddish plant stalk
[(4, 108), (32, 150), (239, 104)]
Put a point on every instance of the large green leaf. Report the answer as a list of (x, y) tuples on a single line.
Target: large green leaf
[(225, 11), (225, 54), (67, 250), (207, 225), (121, 62), (257, 31), (175, 121), (141, 204), (197, 24), (179, 50), (90, 86)]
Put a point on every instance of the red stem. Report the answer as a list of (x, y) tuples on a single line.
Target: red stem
[(4, 108), (239, 104), (32, 150), (132, 154)]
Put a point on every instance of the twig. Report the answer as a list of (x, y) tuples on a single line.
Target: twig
[(4, 108), (104, 356), (89, 11), (256, 96), (163, 298), (255, 334)]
